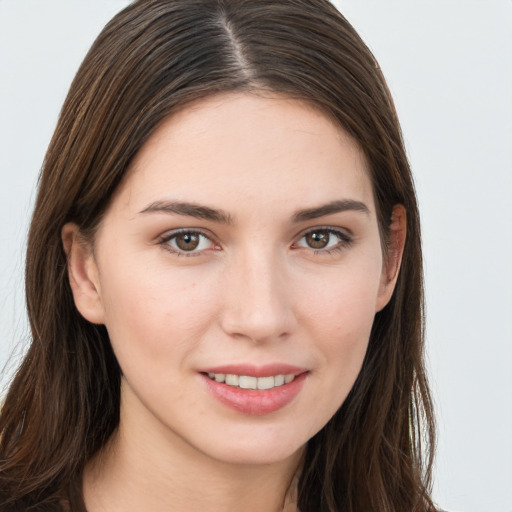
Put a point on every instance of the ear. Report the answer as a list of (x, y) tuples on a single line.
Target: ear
[(83, 274), (393, 256)]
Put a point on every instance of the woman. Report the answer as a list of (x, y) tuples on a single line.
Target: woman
[(223, 276)]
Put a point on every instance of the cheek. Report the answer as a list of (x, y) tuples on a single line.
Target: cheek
[(339, 319), (343, 307), (343, 324), (154, 316)]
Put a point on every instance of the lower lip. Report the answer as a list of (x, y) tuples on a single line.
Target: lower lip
[(252, 401)]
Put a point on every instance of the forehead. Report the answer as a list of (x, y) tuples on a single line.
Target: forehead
[(248, 147)]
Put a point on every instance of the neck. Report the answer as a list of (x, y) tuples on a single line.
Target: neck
[(137, 471)]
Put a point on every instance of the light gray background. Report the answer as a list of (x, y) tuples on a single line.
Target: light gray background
[(449, 67)]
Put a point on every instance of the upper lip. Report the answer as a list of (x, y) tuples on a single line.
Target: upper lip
[(267, 370)]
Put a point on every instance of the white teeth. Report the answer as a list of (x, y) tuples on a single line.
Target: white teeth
[(246, 382), (232, 380), (249, 382), (278, 380), (266, 382)]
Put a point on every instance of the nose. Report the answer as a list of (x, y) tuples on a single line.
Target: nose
[(258, 304)]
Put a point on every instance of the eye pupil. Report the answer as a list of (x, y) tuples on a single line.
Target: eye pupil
[(317, 239), (187, 241)]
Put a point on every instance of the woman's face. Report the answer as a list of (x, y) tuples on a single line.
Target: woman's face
[(242, 251)]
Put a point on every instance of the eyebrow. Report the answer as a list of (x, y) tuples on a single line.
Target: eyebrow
[(215, 215), (330, 208), (189, 210)]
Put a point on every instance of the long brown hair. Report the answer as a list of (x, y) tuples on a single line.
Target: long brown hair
[(153, 58)]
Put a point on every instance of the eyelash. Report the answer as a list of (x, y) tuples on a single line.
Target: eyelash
[(165, 240), (345, 241)]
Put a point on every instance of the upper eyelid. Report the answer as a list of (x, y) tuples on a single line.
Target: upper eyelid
[(167, 235), (332, 229)]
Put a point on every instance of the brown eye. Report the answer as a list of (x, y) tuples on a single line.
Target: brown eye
[(190, 243), (187, 241), (324, 240), (318, 239)]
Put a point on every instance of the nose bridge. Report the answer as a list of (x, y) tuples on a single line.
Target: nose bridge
[(257, 303)]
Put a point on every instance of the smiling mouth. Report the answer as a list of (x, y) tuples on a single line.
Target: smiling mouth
[(250, 382)]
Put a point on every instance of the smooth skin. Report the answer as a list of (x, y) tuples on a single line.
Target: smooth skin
[(245, 232)]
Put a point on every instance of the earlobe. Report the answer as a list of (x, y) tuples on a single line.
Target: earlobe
[(83, 274), (393, 259)]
